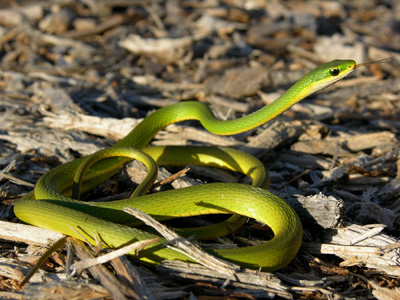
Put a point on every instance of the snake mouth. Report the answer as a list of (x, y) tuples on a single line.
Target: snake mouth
[(373, 62)]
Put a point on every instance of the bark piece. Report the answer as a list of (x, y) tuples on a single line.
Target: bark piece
[(326, 211), (374, 249), (354, 143), (167, 50), (239, 82), (27, 234), (253, 282)]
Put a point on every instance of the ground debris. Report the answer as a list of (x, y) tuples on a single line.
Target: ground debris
[(76, 76)]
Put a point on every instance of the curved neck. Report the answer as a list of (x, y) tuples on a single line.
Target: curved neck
[(293, 95)]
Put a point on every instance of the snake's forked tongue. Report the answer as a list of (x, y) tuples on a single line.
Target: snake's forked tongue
[(374, 62)]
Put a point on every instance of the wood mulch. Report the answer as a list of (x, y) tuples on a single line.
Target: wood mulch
[(78, 75)]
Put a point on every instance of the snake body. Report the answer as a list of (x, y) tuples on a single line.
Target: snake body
[(56, 209)]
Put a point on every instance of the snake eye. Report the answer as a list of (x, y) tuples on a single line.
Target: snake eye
[(334, 71)]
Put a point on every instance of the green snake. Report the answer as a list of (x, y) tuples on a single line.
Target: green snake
[(58, 190)]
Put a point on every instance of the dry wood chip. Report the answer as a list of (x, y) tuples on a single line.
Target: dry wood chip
[(354, 143), (57, 99), (326, 211), (85, 27), (57, 143), (326, 147), (374, 252), (129, 273), (57, 22), (15, 17), (253, 282), (113, 129), (383, 293), (305, 160), (361, 142), (108, 280), (208, 24), (315, 9), (52, 78), (167, 50), (13, 269), (15, 179), (259, 35), (369, 179), (370, 212), (239, 82), (80, 49), (275, 134), (65, 289), (338, 46), (8, 270), (391, 190), (28, 234)]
